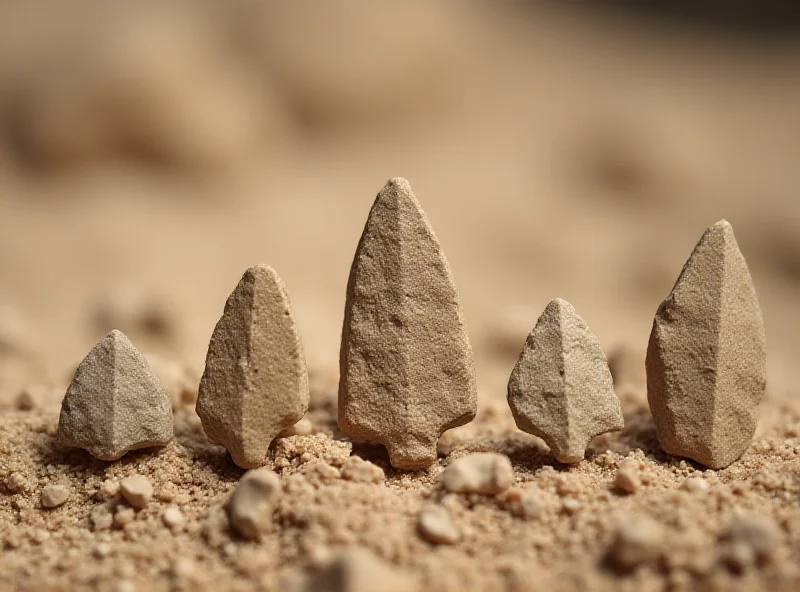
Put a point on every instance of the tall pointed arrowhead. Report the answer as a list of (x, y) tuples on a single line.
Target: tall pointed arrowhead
[(407, 370), (115, 402), (255, 382), (706, 361), (561, 388)]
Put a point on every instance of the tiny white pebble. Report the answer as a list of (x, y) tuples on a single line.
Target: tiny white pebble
[(15, 482), (571, 506), (173, 518), (109, 488), (627, 480), (695, 484), (40, 536), (101, 518), (638, 541), (124, 516), (137, 490), (436, 526), (251, 504), (530, 506), (304, 428), (485, 473), (102, 550), (362, 471), (54, 495), (183, 568)]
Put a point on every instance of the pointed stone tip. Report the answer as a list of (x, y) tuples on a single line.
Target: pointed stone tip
[(399, 182), (722, 227), (261, 271), (117, 336), (561, 306), (398, 187)]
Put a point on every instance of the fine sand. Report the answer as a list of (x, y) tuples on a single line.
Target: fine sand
[(556, 156)]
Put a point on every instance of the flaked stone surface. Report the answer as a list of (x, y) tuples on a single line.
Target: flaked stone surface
[(406, 365), (561, 389), (115, 403), (706, 360), (255, 382)]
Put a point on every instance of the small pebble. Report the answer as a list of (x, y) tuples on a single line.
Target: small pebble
[(751, 538), (124, 516), (436, 526), (530, 507), (15, 482), (627, 480), (173, 518), (250, 506), (362, 471), (109, 489), (356, 569), (695, 484), (571, 506), (102, 550), (39, 536), (304, 427), (137, 490), (32, 397), (638, 541), (54, 495), (485, 473), (184, 568), (101, 518)]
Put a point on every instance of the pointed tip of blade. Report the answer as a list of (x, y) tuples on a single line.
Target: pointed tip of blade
[(261, 270), (399, 182), (560, 304), (397, 187), (116, 336), (721, 228)]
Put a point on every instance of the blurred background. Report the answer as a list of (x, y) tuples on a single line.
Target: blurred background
[(151, 151)]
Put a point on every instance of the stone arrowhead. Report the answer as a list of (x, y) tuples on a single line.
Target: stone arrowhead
[(115, 402), (561, 388), (407, 370), (255, 382), (706, 361)]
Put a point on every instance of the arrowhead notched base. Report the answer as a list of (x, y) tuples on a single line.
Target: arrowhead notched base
[(406, 366), (561, 388), (255, 382)]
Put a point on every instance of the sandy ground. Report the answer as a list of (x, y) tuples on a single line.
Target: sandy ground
[(556, 154)]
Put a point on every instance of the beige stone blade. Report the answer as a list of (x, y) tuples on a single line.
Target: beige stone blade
[(255, 382), (407, 369), (115, 403), (561, 388), (706, 360)]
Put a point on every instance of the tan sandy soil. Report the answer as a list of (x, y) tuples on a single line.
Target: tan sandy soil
[(149, 156)]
